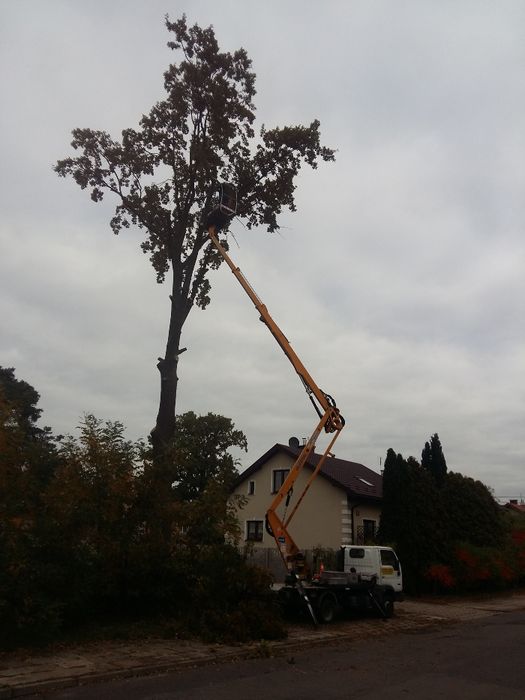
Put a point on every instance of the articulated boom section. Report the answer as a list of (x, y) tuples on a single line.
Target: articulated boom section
[(274, 524), (331, 421)]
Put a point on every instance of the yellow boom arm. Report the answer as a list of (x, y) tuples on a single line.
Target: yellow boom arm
[(330, 420)]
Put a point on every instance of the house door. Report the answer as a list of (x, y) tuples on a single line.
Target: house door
[(369, 531)]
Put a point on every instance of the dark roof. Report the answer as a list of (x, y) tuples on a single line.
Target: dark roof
[(352, 477)]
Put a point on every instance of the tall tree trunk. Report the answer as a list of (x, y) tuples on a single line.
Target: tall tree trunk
[(164, 429)]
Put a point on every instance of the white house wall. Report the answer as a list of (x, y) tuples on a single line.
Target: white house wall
[(322, 520)]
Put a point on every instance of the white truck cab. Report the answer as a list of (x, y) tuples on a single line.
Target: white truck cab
[(369, 562)]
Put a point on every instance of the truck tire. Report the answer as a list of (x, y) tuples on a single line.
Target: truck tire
[(327, 608)]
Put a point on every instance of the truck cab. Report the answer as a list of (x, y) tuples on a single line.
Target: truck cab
[(369, 562)]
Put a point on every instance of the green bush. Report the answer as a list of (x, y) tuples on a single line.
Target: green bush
[(103, 546), (447, 529)]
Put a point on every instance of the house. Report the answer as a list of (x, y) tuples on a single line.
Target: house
[(516, 507), (342, 506)]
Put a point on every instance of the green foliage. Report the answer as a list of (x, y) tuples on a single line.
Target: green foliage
[(22, 399), (481, 568), (90, 509), (448, 530), (433, 459), (164, 176), (472, 513), (518, 551), (411, 518), (201, 133), (229, 600), (28, 462), (200, 453), (440, 578), (27, 452), (98, 543), (392, 512)]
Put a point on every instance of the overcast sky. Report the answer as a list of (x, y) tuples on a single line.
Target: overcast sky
[(399, 281)]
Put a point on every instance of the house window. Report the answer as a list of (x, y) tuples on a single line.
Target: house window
[(251, 488), (254, 530), (278, 478)]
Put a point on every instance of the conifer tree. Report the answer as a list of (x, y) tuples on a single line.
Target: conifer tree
[(433, 459)]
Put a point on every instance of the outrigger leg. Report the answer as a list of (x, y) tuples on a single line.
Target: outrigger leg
[(376, 604), (306, 599)]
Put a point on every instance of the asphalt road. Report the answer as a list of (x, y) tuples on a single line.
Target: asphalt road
[(477, 659)]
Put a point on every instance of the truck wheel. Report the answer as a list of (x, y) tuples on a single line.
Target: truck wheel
[(327, 609)]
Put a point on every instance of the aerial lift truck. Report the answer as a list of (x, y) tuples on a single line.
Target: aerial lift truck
[(330, 421)]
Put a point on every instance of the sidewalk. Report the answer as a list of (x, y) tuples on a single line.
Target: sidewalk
[(28, 673)]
